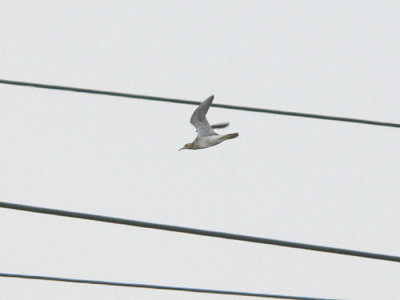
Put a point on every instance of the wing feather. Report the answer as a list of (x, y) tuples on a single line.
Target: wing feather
[(199, 120), (220, 125)]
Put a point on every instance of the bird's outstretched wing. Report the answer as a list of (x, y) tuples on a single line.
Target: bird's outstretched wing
[(220, 125), (199, 120)]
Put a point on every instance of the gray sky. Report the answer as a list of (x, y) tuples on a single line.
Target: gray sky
[(309, 181)]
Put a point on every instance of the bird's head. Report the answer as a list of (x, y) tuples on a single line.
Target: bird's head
[(187, 146)]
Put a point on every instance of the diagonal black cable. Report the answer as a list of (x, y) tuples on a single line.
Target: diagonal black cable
[(217, 234), (157, 287), (227, 106)]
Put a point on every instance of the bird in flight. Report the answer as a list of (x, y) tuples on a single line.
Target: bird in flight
[(206, 136)]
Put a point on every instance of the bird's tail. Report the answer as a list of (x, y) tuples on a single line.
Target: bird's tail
[(229, 136)]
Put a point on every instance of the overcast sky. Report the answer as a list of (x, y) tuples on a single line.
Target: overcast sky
[(310, 181)]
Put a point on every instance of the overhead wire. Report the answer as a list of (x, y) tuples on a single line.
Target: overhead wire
[(156, 287), (191, 102), (201, 232)]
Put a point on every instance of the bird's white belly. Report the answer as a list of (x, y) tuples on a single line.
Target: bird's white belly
[(207, 141)]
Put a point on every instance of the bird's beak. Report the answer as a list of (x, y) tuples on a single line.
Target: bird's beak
[(181, 149)]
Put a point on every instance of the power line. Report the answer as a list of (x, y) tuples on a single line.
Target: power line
[(157, 287), (172, 100), (195, 231)]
